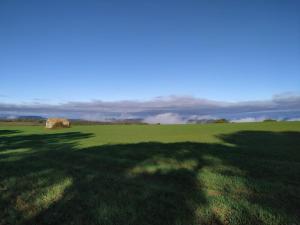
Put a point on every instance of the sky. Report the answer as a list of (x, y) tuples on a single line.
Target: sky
[(59, 52)]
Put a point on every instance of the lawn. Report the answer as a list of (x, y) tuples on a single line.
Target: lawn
[(151, 174)]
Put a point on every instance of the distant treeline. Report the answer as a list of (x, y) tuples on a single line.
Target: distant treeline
[(120, 122), (205, 121), (222, 120), (42, 121), (23, 121), (39, 121)]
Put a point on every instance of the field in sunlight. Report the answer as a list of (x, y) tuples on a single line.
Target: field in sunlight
[(151, 174)]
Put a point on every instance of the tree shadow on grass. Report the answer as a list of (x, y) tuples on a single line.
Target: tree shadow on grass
[(271, 162), (58, 182), (40, 142), (8, 132)]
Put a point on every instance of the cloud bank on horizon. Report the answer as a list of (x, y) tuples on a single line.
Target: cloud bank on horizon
[(165, 110)]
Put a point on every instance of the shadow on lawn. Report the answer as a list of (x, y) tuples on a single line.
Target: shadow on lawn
[(143, 183), (7, 132)]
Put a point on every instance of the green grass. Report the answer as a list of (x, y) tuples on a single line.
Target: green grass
[(142, 174)]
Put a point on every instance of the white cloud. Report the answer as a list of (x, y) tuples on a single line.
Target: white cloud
[(165, 118), (11, 117), (248, 120), (93, 117), (294, 119), (202, 117), (177, 109)]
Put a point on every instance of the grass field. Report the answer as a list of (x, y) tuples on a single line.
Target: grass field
[(151, 174)]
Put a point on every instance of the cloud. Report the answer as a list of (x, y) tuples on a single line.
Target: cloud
[(165, 118), (177, 109), (248, 120), (294, 119), (204, 117), (11, 117)]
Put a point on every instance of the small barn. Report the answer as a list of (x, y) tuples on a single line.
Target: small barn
[(57, 122)]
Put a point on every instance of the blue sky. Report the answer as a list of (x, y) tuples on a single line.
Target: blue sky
[(59, 51)]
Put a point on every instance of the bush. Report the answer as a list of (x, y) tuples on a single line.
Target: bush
[(221, 121), (270, 120)]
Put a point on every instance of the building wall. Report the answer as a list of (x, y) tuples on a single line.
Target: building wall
[(53, 123)]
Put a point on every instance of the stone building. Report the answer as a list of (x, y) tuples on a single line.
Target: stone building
[(57, 122)]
